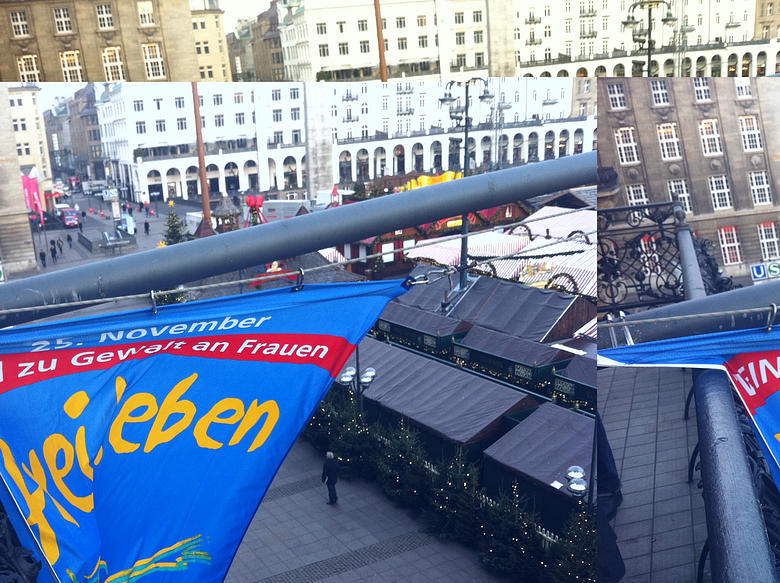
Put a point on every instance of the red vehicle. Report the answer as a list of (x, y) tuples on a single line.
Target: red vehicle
[(70, 217)]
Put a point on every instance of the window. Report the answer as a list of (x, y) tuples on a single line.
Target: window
[(277, 115), (296, 136), (701, 89), (276, 95), (155, 67), (160, 125), (364, 48), (751, 135), (238, 98), (341, 24), (767, 236), (140, 127), (146, 13), (660, 92), (71, 67), (617, 96), (384, 103), (62, 20), (295, 113), (759, 187), (181, 123), (362, 25), (343, 48), (217, 99), (179, 101), (710, 138), (422, 41), (669, 142), (105, 17), (294, 93), (460, 38), (636, 194), (743, 87), (400, 22), (112, 64), (219, 120), (626, 146), (460, 60), (479, 59), (322, 28), (19, 25), (478, 37), (402, 43), (138, 105), (240, 119), (324, 52), (678, 191), (476, 16), (158, 103), (729, 245), (421, 20), (720, 192), (458, 18)]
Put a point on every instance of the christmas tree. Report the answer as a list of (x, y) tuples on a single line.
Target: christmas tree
[(454, 500), (576, 555), (400, 465), (175, 231), (509, 542), (351, 440)]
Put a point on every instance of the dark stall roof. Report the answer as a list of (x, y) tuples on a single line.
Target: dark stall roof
[(427, 322), (512, 308), (582, 345), (504, 306), (510, 347), (582, 370), (545, 444), (454, 404)]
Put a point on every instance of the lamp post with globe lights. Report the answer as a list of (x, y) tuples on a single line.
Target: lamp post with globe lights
[(639, 35)]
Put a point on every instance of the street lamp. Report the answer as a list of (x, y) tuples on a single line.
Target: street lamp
[(639, 35), (577, 484), (448, 99), (358, 385)]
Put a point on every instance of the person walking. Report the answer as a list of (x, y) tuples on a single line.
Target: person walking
[(42, 256), (81, 227), (69, 239), (330, 472), (60, 244), (146, 227), (53, 251)]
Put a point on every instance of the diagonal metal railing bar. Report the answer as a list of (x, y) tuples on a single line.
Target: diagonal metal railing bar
[(170, 266)]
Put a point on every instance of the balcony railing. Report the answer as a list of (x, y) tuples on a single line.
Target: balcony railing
[(588, 34), (533, 41), (533, 20), (349, 97), (350, 118)]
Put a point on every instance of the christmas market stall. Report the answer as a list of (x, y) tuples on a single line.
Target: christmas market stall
[(575, 386), (450, 407), (537, 454), (525, 363), (420, 330)]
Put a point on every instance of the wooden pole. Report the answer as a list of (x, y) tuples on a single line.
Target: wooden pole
[(380, 42)]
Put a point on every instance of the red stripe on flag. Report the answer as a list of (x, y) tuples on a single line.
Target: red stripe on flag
[(322, 350)]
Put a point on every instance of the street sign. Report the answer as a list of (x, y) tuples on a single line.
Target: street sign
[(762, 271)]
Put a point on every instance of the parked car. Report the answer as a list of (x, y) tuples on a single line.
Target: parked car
[(69, 217)]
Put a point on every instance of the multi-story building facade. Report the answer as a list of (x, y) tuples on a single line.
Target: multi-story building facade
[(83, 40), (239, 43), (587, 38), (17, 253), (260, 136), (30, 133), (210, 42), (767, 20), (267, 52), (705, 143), (424, 37), (85, 135), (59, 143)]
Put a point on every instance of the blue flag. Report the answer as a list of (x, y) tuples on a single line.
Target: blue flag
[(751, 359), (137, 446)]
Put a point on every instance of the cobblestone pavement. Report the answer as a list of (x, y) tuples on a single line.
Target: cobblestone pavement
[(296, 538)]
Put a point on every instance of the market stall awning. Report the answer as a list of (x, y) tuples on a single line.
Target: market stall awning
[(454, 404), (421, 321), (511, 348), (543, 446)]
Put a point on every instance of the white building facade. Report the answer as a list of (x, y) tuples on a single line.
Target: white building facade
[(256, 135), (587, 38), (338, 41), (30, 132)]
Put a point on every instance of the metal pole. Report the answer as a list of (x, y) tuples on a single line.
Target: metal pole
[(739, 546), (168, 267), (649, 39), (359, 389), (464, 219), (694, 285), (380, 42)]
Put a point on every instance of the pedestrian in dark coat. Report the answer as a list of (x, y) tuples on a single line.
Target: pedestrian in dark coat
[(42, 256), (330, 471), (146, 227), (53, 251), (69, 239)]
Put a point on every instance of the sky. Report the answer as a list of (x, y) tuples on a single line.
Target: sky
[(50, 91), (236, 9)]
